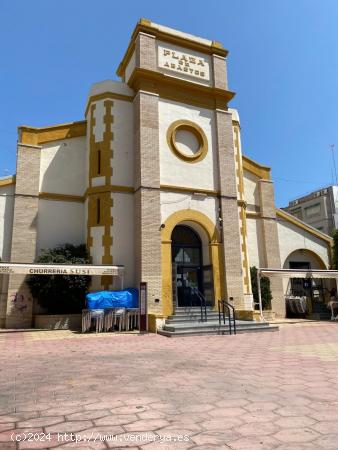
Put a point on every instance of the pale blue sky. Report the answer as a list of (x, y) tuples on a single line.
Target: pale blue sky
[(283, 65)]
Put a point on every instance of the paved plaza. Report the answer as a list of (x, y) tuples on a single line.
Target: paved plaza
[(251, 391)]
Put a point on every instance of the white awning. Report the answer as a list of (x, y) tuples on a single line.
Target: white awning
[(295, 273), (60, 269)]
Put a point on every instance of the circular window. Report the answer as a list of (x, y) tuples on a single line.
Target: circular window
[(187, 141)]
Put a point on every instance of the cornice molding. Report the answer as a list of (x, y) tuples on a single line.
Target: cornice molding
[(61, 197), (36, 136), (7, 181), (262, 172), (179, 90), (146, 26)]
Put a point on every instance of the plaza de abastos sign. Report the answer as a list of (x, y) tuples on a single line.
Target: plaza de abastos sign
[(183, 63)]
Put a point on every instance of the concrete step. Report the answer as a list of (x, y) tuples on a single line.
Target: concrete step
[(191, 308), (213, 325), (211, 314), (183, 311), (188, 319), (215, 330)]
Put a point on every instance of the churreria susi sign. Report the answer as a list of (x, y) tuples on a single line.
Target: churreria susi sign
[(60, 269)]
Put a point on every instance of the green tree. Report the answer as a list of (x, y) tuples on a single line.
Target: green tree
[(61, 294), (335, 249), (265, 289)]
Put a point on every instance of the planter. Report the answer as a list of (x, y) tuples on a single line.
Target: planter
[(58, 321)]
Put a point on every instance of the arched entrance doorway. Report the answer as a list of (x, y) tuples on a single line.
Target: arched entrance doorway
[(306, 297), (213, 281), (187, 266)]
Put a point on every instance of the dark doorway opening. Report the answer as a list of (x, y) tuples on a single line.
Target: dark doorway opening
[(187, 263)]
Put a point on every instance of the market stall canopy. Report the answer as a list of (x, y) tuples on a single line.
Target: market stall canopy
[(295, 273)]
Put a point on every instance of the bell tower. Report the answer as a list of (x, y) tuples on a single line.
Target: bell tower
[(180, 85)]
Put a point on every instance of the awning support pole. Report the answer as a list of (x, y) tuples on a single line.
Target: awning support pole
[(260, 295)]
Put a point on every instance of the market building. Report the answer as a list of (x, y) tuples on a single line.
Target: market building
[(153, 179)]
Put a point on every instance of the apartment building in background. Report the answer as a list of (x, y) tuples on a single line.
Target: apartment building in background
[(318, 209)]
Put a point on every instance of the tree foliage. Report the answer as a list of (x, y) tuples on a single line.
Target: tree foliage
[(61, 294), (335, 249), (265, 288)]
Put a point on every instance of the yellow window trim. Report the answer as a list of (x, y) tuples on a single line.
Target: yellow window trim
[(197, 131), (105, 96)]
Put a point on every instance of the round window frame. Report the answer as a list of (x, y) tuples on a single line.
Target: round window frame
[(197, 131)]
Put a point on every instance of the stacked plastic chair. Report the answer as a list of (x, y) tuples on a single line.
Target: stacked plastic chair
[(120, 318), (132, 318), (97, 316), (109, 319), (93, 317), (86, 320)]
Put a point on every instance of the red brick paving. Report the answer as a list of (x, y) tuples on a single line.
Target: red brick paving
[(250, 391)]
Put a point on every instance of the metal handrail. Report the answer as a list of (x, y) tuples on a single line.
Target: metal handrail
[(203, 302), (222, 305)]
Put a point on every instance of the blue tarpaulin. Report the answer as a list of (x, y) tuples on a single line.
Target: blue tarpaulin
[(128, 298)]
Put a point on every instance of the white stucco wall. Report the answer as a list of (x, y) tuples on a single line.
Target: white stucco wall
[(123, 144), (98, 181), (97, 249), (173, 170), (122, 232), (251, 189), (255, 242), (63, 166), (59, 223), (6, 220), (172, 202), (113, 86), (293, 238), (85, 215)]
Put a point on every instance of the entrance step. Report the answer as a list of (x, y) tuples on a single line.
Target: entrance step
[(212, 327), (188, 319), (211, 315), (187, 322)]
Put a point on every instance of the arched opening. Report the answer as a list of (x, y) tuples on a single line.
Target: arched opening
[(306, 297), (210, 260), (187, 265)]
